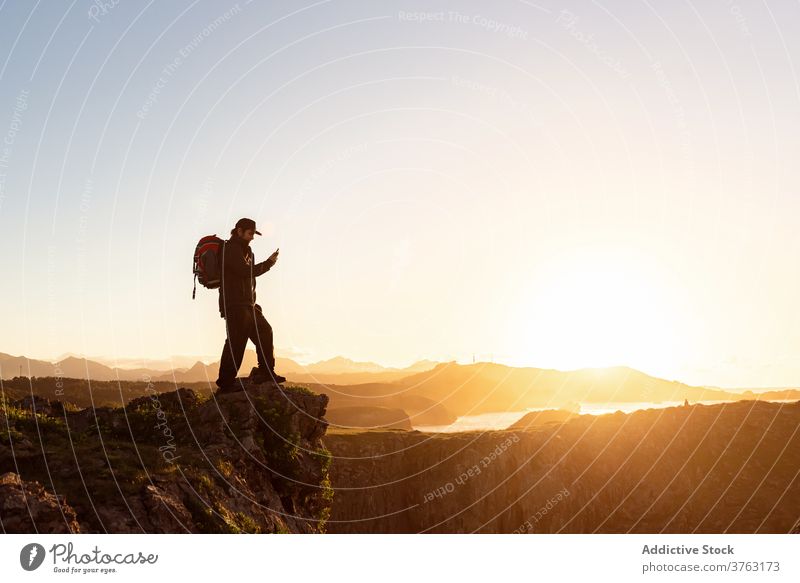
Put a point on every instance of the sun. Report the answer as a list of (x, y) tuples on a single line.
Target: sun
[(596, 308)]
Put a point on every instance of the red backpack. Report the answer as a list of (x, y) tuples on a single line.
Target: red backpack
[(207, 262)]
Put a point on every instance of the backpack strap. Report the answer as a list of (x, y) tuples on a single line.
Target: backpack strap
[(222, 278)]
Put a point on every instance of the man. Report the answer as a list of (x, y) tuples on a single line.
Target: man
[(243, 317)]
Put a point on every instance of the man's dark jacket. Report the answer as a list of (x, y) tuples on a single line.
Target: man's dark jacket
[(239, 272)]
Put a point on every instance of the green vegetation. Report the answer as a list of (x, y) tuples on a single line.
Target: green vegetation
[(212, 516), (32, 424), (300, 389), (83, 394), (280, 444), (225, 468), (325, 485)]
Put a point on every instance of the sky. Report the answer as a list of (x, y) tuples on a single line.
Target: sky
[(551, 184)]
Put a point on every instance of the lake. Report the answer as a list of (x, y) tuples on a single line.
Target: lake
[(501, 420)]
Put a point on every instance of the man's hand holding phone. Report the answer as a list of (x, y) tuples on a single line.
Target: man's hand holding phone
[(273, 258)]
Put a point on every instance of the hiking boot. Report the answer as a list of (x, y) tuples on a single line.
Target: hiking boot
[(258, 375), (231, 387)]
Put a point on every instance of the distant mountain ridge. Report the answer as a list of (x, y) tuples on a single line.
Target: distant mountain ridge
[(335, 370), (174, 362), (488, 387), (455, 389)]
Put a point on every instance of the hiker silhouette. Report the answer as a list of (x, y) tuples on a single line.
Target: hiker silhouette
[(244, 318)]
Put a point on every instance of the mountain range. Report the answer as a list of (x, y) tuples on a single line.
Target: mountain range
[(366, 394), (485, 387), (338, 370)]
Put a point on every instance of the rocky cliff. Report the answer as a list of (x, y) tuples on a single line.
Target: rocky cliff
[(705, 469), (251, 461)]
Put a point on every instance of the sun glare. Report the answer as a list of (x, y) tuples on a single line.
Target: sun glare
[(595, 309)]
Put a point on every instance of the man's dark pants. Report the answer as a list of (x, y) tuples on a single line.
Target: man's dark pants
[(243, 323)]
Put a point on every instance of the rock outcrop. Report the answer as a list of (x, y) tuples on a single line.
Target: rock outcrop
[(537, 418), (703, 468), (28, 507), (249, 461)]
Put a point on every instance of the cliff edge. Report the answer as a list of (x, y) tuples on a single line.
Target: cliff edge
[(721, 468), (251, 461)]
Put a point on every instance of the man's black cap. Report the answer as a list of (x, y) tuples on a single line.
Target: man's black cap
[(247, 224)]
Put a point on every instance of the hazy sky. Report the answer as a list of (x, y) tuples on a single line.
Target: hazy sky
[(552, 184)]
